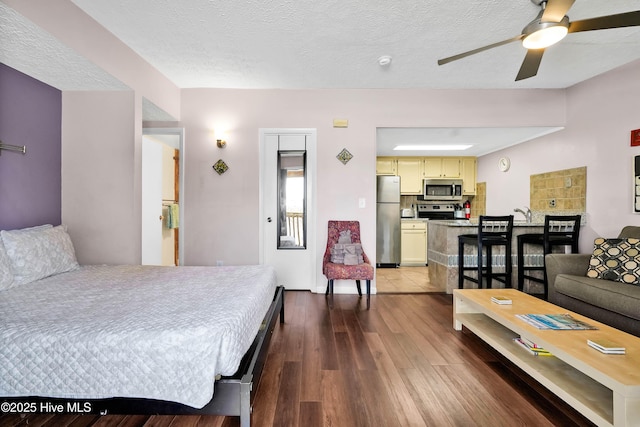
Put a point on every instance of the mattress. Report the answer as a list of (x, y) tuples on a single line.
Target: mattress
[(131, 331)]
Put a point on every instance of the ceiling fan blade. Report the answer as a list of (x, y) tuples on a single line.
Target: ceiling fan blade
[(628, 19), (478, 50), (530, 65), (555, 10)]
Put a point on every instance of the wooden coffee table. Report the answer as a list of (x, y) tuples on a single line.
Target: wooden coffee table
[(604, 388)]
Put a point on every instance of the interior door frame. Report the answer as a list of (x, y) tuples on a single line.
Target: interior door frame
[(179, 133), (311, 195)]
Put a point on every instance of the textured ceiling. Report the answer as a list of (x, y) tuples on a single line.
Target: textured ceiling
[(336, 44), (293, 44), (27, 48)]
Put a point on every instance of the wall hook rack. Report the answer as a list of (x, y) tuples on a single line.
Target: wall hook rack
[(20, 148)]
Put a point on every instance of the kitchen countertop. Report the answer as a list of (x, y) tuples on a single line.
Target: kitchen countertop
[(473, 222)]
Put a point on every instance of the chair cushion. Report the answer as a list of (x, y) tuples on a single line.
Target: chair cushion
[(348, 272), (533, 238)]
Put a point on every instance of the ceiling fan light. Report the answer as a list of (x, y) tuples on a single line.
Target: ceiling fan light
[(545, 37)]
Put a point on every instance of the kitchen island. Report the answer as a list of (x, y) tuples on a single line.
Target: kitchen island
[(442, 254)]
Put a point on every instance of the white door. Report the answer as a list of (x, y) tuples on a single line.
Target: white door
[(288, 220), (151, 202)]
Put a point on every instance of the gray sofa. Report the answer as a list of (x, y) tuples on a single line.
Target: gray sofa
[(613, 303)]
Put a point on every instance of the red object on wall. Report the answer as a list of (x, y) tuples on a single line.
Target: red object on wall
[(635, 137), (467, 209)]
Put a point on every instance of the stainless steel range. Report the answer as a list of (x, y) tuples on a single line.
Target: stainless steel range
[(436, 210)]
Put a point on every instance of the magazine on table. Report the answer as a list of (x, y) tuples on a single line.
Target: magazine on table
[(555, 321)]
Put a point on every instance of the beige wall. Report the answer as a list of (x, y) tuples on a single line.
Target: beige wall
[(100, 204)]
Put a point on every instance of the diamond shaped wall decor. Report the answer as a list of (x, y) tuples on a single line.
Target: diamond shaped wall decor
[(344, 156), (220, 166)]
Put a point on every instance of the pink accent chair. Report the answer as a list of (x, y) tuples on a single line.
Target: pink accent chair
[(346, 272)]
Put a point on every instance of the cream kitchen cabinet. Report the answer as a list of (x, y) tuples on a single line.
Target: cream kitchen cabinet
[(411, 172), (413, 243), (386, 166), (442, 167), (468, 175)]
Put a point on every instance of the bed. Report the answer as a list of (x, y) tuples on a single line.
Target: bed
[(130, 339)]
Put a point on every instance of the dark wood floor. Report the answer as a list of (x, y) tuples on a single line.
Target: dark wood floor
[(398, 364)]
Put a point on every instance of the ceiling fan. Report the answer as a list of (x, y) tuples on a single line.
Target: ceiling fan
[(549, 27)]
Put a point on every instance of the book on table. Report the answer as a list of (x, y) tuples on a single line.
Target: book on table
[(501, 300), (531, 347), (606, 346), (555, 321)]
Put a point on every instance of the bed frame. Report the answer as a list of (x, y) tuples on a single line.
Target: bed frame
[(233, 395)]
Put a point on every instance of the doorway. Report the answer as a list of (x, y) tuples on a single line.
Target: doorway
[(162, 201), (287, 205)]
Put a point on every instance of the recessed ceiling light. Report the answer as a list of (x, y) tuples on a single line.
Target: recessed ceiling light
[(431, 147)]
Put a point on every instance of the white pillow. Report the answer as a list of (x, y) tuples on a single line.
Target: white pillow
[(6, 276), (39, 252), (6, 272)]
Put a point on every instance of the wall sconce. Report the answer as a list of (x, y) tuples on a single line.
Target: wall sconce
[(221, 143)]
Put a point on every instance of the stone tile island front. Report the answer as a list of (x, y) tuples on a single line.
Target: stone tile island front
[(443, 252)]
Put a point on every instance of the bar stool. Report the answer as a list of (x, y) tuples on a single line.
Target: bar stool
[(492, 231), (559, 230)]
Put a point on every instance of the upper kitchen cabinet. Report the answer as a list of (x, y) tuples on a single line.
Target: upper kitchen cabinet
[(442, 167), (468, 175), (386, 166), (411, 172)]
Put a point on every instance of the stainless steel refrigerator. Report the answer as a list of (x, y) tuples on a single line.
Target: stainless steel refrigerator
[(388, 221)]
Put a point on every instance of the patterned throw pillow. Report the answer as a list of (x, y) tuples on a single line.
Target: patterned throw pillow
[(616, 259)]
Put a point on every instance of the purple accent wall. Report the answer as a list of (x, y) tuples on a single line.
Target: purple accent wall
[(30, 184)]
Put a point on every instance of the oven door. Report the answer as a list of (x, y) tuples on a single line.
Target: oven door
[(442, 189)]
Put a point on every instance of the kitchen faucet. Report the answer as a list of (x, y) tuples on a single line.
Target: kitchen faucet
[(526, 214)]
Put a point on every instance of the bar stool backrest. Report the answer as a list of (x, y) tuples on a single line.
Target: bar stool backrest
[(495, 226), (562, 228)]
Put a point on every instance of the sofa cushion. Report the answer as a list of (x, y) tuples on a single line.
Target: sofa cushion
[(613, 296), (616, 259)]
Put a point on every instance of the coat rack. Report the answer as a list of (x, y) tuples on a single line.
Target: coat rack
[(21, 148)]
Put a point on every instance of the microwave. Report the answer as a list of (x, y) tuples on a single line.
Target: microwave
[(442, 189)]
